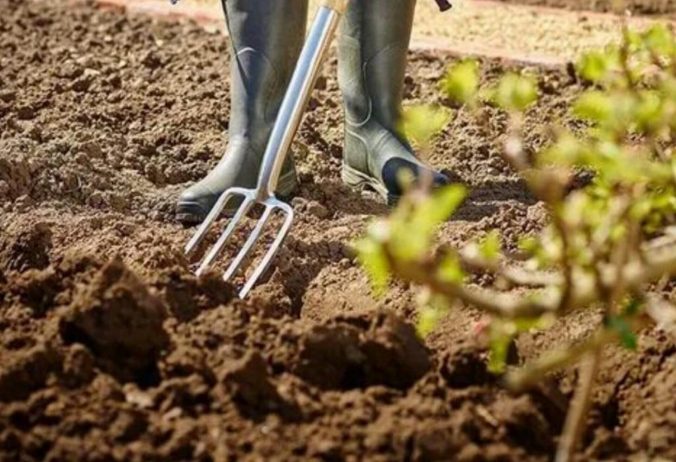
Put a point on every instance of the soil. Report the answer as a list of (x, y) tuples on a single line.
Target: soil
[(648, 7), (110, 349)]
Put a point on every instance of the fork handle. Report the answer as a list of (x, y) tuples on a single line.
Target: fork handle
[(298, 93)]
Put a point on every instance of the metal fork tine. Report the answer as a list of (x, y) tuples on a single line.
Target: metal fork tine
[(206, 224), (267, 259), (248, 245), (220, 244)]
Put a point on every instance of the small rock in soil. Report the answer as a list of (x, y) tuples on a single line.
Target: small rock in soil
[(25, 113), (465, 367), (186, 295), (78, 366), (317, 209)]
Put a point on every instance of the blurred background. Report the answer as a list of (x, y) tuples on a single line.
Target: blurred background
[(541, 31)]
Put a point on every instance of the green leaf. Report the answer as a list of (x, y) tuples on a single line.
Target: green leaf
[(528, 244), (371, 255), (428, 319), (422, 122), (622, 327), (431, 314), (490, 246), (632, 307), (438, 208), (450, 271), (462, 81), (515, 92), (499, 348), (596, 106), (528, 324), (566, 151), (596, 65), (660, 41), (649, 111), (412, 234)]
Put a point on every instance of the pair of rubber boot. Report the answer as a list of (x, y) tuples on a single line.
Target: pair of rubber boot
[(267, 36)]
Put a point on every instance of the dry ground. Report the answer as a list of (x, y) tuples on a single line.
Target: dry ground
[(111, 350)]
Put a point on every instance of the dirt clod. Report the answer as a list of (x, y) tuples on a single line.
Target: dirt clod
[(110, 347), (26, 371), (345, 356), (23, 249), (120, 321), (248, 382)]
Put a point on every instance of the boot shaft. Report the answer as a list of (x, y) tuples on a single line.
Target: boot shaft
[(266, 37), (373, 50)]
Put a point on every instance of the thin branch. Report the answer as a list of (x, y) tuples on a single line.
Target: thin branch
[(525, 278), (584, 291), (533, 372), (575, 419), (567, 268), (515, 275)]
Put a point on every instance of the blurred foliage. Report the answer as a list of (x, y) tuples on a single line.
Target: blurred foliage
[(605, 242), (421, 123)]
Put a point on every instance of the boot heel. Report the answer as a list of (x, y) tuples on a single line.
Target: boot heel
[(352, 177), (359, 180)]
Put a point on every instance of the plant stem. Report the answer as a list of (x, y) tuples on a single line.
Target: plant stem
[(535, 371), (658, 262), (575, 420)]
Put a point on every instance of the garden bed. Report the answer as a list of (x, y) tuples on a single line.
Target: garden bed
[(111, 350)]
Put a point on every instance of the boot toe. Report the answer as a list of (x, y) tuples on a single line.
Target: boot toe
[(193, 208), (440, 179), (391, 175)]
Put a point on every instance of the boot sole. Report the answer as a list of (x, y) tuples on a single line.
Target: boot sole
[(192, 213), (359, 180)]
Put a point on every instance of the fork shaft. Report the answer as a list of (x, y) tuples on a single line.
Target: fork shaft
[(297, 95)]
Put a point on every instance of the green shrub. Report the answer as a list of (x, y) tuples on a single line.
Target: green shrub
[(605, 243)]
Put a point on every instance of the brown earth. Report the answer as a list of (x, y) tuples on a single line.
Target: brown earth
[(617, 6), (111, 350)]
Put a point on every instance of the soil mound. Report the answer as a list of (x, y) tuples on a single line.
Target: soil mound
[(25, 371), (120, 322), (358, 353), (104, 118)]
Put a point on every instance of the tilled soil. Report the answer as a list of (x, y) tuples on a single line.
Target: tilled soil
[(111, 350)]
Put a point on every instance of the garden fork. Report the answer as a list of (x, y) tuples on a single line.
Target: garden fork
[(286, 125)]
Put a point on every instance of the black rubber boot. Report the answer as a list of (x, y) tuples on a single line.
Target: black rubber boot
[(266, 38), (372, 64)]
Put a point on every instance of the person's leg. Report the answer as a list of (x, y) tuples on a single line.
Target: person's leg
[(266, 38), (372, 64)]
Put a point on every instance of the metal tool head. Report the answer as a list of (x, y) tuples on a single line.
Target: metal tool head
[(283, 131), (249, 199)]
